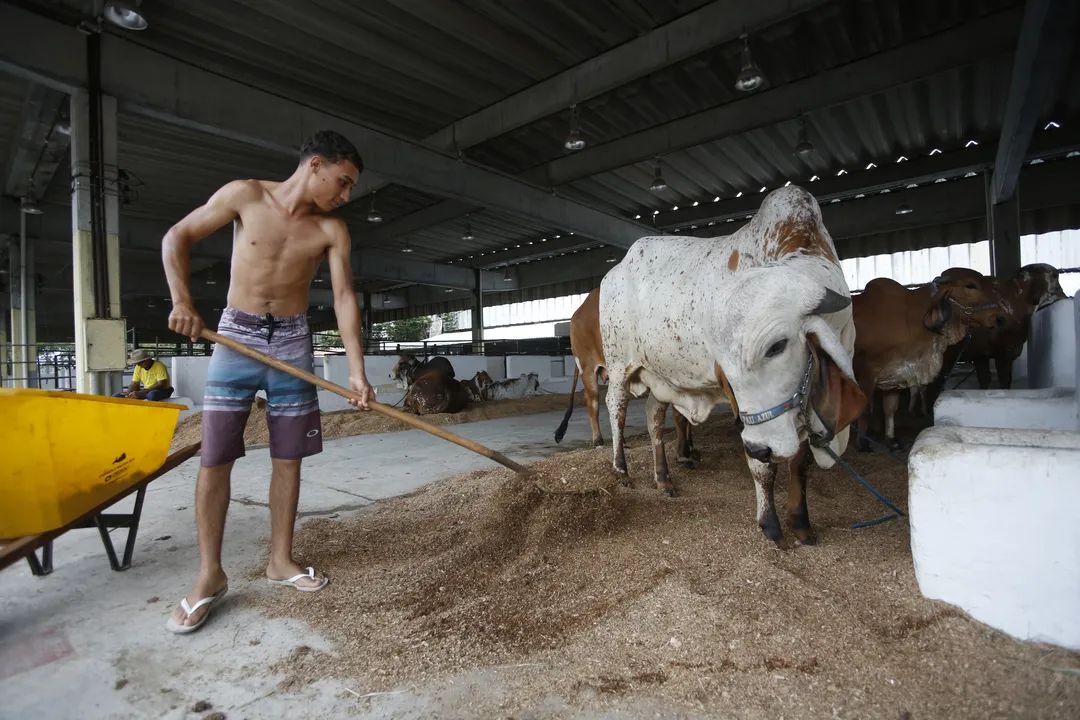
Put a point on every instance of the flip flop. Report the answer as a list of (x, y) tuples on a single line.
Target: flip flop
[(292, 581), (184, 629)]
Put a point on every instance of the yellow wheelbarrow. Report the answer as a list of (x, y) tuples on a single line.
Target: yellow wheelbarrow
[(66, 457)]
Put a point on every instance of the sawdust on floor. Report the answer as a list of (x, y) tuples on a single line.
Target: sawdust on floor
[(604, 600), (347, 423)]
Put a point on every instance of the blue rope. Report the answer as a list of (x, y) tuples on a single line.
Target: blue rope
[(879, 446), (868, 486)]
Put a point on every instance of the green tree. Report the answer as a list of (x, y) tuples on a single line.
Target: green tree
[(409, 330), (450, 322)]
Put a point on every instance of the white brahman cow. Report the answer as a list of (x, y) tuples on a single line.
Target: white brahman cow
[(763, 317)]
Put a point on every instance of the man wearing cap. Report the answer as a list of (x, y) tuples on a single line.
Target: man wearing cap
[(151, 378)]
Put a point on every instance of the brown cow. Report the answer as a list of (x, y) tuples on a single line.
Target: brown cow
[(436, 392), (1033, 288), (589, 365), (476, 388), (901, 334), (408, 368)]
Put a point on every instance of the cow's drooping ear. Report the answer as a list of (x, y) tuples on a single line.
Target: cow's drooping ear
[(938, 315), (831, 302), (835, 396), (936, 283)]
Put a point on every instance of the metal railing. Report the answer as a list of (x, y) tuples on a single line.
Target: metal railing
[(526, 346), (51, 368)]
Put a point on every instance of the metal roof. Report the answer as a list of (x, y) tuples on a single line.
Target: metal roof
[(413, 69)]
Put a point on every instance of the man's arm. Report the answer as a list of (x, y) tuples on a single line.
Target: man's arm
[(347, 311), (222, 208)]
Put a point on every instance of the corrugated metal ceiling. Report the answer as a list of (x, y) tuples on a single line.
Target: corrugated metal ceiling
[(413, 68)]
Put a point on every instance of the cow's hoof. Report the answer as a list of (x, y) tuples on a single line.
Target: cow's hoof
[(627, 483), (687, 463), (895, 446), (862, 444), (806, 537), (668, 490), (695, 456), (770, 526), (598, 443)]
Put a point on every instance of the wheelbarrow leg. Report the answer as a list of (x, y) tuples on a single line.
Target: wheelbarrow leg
[(42, 567), (107, 521)]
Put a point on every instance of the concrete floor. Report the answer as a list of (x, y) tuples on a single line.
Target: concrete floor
[(87, 642)]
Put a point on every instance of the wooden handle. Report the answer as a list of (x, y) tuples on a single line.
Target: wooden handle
[(374, 405)]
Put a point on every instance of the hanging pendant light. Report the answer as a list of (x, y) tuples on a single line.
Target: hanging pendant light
[(406, 249), (750, 77), (467, 235), (125, 14), (506, 275), (611, 258), (658, 184), (803, 147), (373, 215), (904, 208), (29, 207), (575, 140)]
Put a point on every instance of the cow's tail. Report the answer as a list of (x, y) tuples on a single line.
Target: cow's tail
[(561, 430)]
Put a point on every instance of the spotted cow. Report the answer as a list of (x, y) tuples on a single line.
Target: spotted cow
[(761, 317)]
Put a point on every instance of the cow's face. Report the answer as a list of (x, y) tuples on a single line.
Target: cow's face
[(405, 363), (1042, 283), (773, 339), (967, 295), (483, 380)]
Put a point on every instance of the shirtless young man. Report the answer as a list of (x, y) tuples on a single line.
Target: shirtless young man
[(281, 232)]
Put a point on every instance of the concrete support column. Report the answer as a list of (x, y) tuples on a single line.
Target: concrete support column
[(96, 267), (5, 348), (366, 317), (23, 323), (1003, 223), (478, 314)]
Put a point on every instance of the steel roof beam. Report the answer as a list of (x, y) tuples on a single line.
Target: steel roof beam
[(718, 22), (966, 44), (1047, 35), (155, 85), (143, 238), (38, 146), (952, 48), (889, 176)]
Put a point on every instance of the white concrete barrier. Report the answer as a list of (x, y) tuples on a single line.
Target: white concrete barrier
[(993, 527), (189, 374), (180, 400), (1053, 357), (1043, 409), (188, 377), (1052, 347), (542, 365)]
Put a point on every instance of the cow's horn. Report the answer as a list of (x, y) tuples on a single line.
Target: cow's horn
[(831, 302)]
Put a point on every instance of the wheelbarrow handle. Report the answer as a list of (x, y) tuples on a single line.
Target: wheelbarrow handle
[(374, 405)]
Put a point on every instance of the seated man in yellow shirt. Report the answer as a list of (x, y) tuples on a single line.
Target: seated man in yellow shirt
[(151, 378)]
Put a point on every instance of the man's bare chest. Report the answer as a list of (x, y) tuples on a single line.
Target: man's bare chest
[(274, 238)]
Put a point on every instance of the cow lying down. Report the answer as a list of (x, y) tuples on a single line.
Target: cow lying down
[(762, 316), (436, 392), (408, 368), (482, 388)]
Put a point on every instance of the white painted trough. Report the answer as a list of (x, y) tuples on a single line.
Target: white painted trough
[(994, 489)]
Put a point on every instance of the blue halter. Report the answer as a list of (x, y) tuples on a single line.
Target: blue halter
[(795, 402)]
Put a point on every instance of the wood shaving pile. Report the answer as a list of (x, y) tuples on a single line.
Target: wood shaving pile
[(347, 423), (608, 601)]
